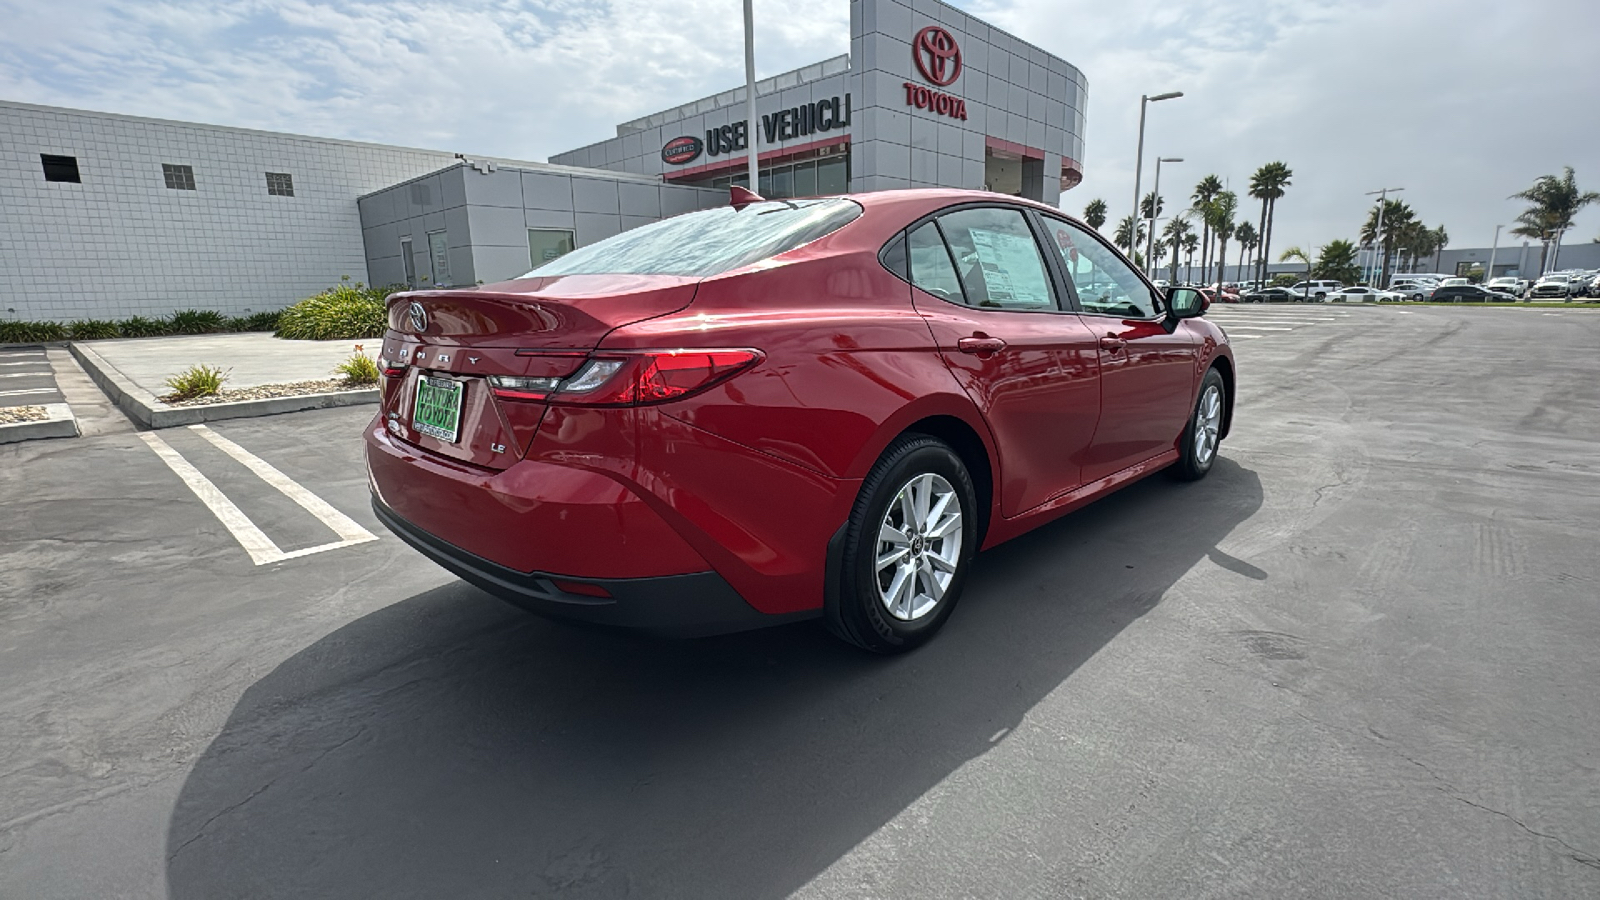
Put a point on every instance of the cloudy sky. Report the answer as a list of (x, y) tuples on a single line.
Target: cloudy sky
[(1461, 102)]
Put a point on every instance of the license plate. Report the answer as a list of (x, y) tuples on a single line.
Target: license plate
[(438, 412)]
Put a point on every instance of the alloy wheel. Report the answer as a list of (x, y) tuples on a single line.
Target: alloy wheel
[(1207, 425), (919, 547)]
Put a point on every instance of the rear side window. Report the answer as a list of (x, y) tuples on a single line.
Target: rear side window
[(931, 269), (709, 242), (997, 259)]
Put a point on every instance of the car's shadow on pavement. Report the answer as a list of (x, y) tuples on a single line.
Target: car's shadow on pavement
[(450, 746)]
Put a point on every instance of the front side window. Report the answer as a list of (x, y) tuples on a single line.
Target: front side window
[(178, 178), (1104, 283), (997, 259), (709, 242)]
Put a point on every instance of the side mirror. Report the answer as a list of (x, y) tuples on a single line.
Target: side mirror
[(1185, 303)]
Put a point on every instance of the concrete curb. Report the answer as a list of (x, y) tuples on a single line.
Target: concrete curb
[(60, 423), (147, 411)]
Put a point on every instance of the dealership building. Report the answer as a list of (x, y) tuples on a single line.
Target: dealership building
[(109, 216)]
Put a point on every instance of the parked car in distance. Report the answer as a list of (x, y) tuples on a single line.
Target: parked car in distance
[(1212, 296), (1414, 290), (1362, 294), (770, 411), (1506, 284), (1316, 290), (1273, 295), (1553, 286), (1454, 282), (1469, 293)]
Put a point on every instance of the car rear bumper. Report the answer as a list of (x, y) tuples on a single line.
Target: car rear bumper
[(690, 605)]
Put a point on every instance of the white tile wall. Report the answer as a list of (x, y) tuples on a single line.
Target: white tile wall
[(121, 243)]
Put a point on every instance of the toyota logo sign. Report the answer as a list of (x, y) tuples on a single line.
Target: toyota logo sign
[(937, 55), (419, 317)]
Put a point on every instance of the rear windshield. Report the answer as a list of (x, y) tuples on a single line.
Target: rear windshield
[(708, 242)]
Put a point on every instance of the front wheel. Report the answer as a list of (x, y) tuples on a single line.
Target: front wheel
[(907, 548), (1203, 435)]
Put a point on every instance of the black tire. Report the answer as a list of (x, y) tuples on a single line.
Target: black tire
[(860, 614), (1190, 466)]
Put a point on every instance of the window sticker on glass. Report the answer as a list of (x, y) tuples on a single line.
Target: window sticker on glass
[(1010, 269)]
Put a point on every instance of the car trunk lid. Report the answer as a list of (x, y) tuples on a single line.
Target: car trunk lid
[(443, 348)]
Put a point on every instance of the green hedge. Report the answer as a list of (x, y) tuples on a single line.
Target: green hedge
[(184, 321), (343, 312)]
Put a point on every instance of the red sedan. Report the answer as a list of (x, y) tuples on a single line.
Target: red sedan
[(784, 410)]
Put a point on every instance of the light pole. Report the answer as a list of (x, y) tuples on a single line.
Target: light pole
[(750, 96), (1155, 201), (1488, 276), (1138, 160), (1383, 254)]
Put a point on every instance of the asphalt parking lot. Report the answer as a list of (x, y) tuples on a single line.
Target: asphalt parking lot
[(1358, 660)]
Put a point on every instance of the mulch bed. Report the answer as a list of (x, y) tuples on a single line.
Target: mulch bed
[(268, 391), (12, 415)]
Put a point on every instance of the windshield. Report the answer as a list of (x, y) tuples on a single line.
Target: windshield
[(708, 242)]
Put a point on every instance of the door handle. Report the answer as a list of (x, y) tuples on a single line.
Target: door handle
[(1112, 343), (980, 345)]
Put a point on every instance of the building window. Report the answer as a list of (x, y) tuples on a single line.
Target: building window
[(179, 178), (60, 168), (280, 184), (546, 244), (438, 250)]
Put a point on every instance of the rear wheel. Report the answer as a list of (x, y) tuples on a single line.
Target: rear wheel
[(1202, 437), (907, 548)]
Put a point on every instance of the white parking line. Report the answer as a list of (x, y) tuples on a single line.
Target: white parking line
[(25, 363), (21, 374), (27, 391), (1257, 327), (255, 542), (345, 527)]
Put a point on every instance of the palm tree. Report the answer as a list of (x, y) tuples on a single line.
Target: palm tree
[(1437, 242), (1144, 207), (1205, 192), (1554, 201), (1337, 262), (1297, 253), (1248, 240), (1267, 185), (1127, 235), (1095, 213), (1220, 213), (1178, 232), (1191, 243), (1397, 217)]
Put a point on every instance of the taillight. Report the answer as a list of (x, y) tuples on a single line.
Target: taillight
[(521, 387), (392, 368), (651, 376)]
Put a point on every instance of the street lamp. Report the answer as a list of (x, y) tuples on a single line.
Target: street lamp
[(1155, 201), (1138, 160), (1377, 237), (1489, 275), (750, 96)]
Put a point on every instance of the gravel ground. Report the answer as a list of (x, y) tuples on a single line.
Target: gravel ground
[(11, 415), (266, 391)]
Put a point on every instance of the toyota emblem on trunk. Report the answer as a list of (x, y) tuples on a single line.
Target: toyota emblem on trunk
[(419, 316)]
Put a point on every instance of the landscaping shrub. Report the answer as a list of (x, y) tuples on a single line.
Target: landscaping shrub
[(196, 381), (92, 330), (197, 321), (139, 326), (359, 369), (261, 321), (31, 332), (343, 312)]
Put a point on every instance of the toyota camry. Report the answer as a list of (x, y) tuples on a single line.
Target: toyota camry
[(779, 410)]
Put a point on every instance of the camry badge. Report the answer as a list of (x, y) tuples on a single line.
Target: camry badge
[(444, 357), (419, 316)]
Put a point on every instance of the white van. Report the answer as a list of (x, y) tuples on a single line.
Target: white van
[(1316, 290)]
